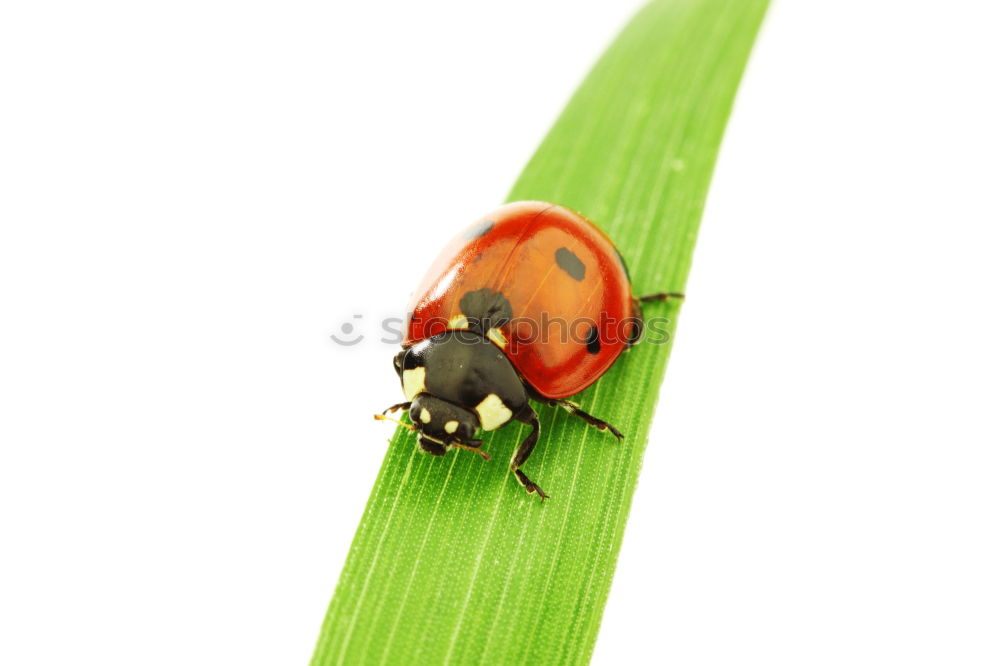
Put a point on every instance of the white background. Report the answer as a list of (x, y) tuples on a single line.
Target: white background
[(195, 195)]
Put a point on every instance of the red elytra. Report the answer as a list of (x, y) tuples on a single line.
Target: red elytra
[(568, 288)]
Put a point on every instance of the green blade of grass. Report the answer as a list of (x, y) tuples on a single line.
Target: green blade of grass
[(453, 562)]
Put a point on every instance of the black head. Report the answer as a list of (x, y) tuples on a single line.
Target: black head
[(442, 424), (397, 362), (456, 383)]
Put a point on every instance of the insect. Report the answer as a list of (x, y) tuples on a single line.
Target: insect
[(533, 301)]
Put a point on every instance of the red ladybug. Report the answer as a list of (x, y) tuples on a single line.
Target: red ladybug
[(532, 301)]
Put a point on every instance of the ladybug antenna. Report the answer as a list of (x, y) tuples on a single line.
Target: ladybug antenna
[(474, 449), (455, 442), (383, 417)]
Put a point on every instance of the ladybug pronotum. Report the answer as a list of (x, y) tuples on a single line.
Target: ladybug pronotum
[(531, 302)]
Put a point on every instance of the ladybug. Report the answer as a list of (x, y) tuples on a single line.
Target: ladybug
[(533, 301)]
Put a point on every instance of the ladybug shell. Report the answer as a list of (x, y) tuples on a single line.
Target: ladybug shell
[(552, 286)]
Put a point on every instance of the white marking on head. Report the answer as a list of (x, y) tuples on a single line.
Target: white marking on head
[(451, 426), (425, 416), (497, 336), (458, 322), (492, 412), (413, 382)]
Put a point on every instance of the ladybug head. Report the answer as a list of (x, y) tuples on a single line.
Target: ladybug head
[(441, 424)]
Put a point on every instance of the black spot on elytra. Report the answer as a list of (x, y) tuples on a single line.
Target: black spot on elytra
[(485, 309), (593, 342), (478, 229), (570, 263)]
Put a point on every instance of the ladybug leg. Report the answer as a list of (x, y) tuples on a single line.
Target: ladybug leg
[(575, 410), (661, 296), (636, 331), (399, 405), (522, 453)]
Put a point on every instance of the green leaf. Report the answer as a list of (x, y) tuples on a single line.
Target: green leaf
[(453, 562)]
